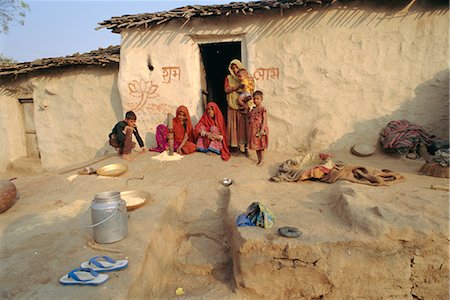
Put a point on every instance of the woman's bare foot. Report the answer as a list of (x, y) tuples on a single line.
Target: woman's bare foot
[(127, 157)]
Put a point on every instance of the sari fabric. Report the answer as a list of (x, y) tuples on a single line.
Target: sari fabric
[(162, 142), (179, 130), (233, 80), (236, 121), (208, 124)]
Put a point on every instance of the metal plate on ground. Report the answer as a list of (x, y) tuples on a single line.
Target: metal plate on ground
[(135, 198), (112, 170)]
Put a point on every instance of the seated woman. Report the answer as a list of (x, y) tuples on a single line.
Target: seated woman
[(162, 139), (211, 132), (182, 131)]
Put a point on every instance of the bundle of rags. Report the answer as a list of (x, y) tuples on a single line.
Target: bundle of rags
[(363, 175), (404, 136), (319, 166), (308, 165), (256, 215)]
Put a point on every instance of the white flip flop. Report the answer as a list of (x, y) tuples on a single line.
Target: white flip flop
[(83, 276), (105, 264)]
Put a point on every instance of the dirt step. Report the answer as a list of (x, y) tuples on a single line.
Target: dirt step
[(26, 165), (194, 255)]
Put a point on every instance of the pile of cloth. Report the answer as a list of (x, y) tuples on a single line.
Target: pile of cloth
[(308, 165), (320, 166), (404, 137), (256, 215)]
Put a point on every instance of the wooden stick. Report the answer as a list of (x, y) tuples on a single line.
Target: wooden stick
[(91, 162), (170, 137)]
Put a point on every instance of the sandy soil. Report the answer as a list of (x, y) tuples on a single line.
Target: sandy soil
[(358, 241)]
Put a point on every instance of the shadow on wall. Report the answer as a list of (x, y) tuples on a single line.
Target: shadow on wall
[(292, 20), (116, 102), (429, 108)]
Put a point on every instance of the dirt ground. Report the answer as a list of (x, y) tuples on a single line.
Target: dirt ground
[(358, 242)]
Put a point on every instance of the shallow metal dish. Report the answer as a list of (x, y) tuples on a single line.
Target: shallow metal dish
[(125, 195), (112, 170), (227, 181)]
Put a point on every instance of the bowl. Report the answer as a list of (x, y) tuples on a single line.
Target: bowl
[(87, 171), (112, 170), (135, 198), (227, 181)]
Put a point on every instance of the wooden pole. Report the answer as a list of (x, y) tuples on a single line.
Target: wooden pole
[(170, 136)]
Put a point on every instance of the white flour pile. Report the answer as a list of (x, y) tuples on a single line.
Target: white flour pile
[(131, 201), (164, 156)]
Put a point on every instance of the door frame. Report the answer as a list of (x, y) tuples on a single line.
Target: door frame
[(219, 38)]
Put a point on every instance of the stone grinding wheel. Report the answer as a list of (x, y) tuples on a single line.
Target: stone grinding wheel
[(362, 149), (8, 194), (290, 232)]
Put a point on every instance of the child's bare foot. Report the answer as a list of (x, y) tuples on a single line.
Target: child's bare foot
[(260, 163), (127, 157)]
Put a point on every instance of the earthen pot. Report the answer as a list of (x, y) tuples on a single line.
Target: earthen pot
[(8, 194)]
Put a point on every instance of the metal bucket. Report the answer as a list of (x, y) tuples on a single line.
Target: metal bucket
[(109, 217)]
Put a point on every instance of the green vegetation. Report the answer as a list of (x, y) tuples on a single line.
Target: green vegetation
[(12, 11)]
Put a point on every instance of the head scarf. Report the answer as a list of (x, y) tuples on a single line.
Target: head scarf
[(219, 122), (233, 80), (238, 63), (178, 128)]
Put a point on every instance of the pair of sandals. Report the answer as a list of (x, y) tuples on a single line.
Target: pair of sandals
[(89, 272)]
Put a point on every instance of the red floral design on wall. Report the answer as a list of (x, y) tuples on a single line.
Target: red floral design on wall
[(141, 91)]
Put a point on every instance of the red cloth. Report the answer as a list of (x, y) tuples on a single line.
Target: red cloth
[(219, 122), (178, 131)]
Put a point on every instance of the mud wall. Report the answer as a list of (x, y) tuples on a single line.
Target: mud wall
[(331, 77), (74, 111)]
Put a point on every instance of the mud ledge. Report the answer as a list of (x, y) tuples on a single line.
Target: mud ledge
[(350, 253)]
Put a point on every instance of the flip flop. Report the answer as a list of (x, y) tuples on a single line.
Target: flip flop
[(83, 276), (105, 264)]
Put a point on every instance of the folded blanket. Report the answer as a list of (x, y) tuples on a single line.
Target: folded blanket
[(404, 136)]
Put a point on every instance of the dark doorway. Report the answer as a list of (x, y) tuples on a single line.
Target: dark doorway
[(216, 57)]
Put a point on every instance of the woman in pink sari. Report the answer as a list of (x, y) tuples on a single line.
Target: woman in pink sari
[(162, 142), (211, 132), (182, 133)]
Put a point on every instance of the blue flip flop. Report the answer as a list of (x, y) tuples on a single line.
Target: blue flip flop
[(105, 264), (83, 276)]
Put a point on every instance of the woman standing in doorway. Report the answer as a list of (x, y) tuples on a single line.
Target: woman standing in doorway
[(236, 120)]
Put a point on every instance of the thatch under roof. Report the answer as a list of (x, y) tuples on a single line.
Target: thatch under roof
[(100, 57), (185, 13)]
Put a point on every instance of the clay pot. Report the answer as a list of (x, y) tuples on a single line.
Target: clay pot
[(8, 194), (434, 169)]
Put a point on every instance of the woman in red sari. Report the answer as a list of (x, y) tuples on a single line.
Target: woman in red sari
[(183, 131), (211, 132)]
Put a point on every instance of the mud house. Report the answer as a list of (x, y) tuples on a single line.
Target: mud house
[(333, 74), (54, 110)]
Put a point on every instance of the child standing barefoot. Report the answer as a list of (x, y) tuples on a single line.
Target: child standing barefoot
[(258, 132)]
